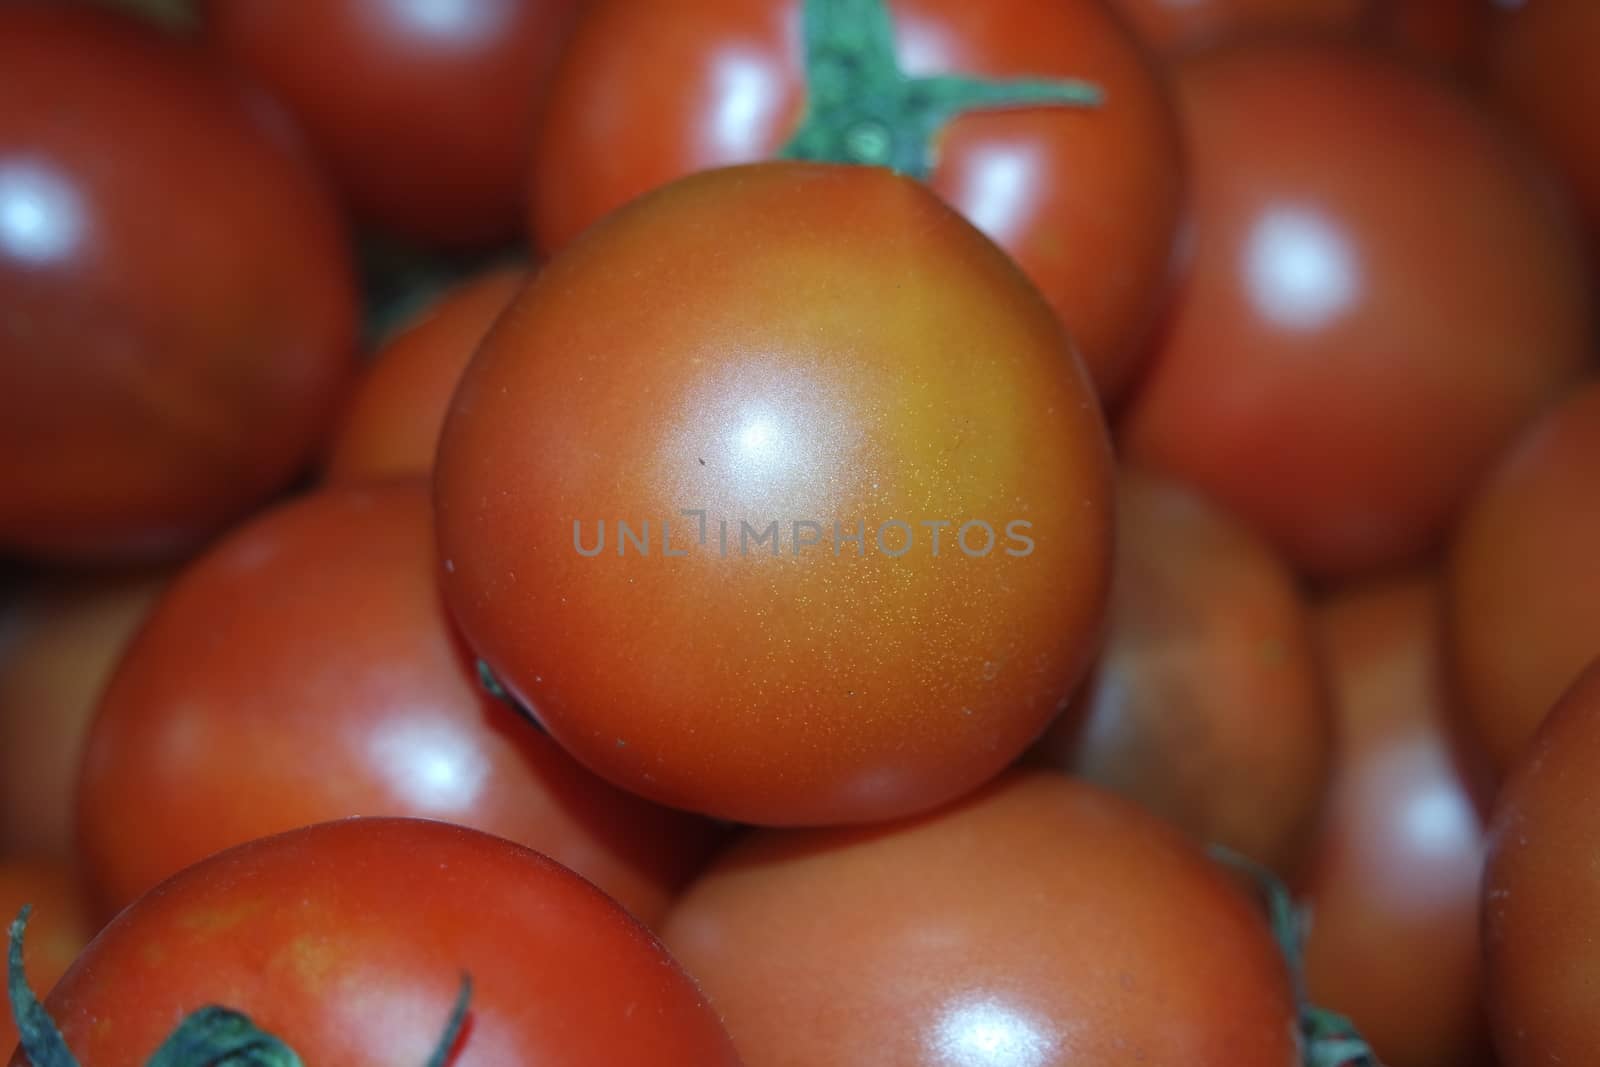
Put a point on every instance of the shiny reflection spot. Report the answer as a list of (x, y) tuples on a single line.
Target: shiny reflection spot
[(747, 97), (430, 766), (450, 21), (986, 1032), (42, 219), (1300, 269), (999, 197)]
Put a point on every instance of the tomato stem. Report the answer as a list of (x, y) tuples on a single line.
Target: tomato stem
[(492, 686), (38, 1034), (861, 108), (453, 1027)]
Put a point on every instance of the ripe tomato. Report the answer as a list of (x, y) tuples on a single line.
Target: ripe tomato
[(391, 428), (1085, 200), (1541, 891), (1380, 295), (1452, 34), (1207, 704), (1524, 589), (59, 640), (305, 670), (1174, 26), (60, 926), (1040, 921), (423, 111), (348, 941), (177, 292), (1393, 883), (803, 353)]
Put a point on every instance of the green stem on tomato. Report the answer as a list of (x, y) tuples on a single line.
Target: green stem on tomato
[(861, 108), (37, 1032)]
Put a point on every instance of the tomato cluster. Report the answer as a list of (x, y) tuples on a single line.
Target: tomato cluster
[(800, 532)]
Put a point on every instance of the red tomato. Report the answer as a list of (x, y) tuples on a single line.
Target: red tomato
[(58, 929), (59, 641), (1039, 922), (348, 941), (1181, 25), (1524, 588), (391, 428), (177, 292), (1541, 891), (1393, 884), (423, 111), (1450, 33), (1380, 295), (1085, 200), (775, 346), (1207, 704), (305, 670), (1545, 59)]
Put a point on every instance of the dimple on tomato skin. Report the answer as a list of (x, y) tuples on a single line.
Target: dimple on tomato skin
[(782, 344)]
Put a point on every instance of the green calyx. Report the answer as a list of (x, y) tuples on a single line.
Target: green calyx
[(211, 1037), (862, 109)]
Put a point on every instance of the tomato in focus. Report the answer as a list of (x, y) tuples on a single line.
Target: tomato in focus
[(58, 929)]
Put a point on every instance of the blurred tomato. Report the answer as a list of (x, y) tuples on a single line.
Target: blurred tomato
[(1086, 200), (1393, 884), (176, 291), (820, 362), (349, 940), (1181, 25), (1037, 922), (305, 670), (1207, 704), (1379, 296), (1524, 585), (1541, 892), (57, 931), (59, 640), (391, 429), (423, 111), (1450, 33)]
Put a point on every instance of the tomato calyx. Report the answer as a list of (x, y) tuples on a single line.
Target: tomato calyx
[(213, 1036), (861, 108)]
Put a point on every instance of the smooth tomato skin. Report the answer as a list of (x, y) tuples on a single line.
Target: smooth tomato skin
[(778, 343), (1039, 918), (1087, 201), (1524, 591), (424, 113), (58, 928), (1393, 883), (177, 288), (1540, 918), (1451, 34), (1207, 704), (306, 670), (391, 428), (60, 638), (1176, 26), (348, 941), (1353, 345)]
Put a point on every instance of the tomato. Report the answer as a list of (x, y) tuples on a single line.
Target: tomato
[(1524, 590), (59, 928), (1545, 61), (1040, 921), (1086, 200), (348, 941), (176, 286), (1540, 917), (1452, 34), (799, 353), (423, 111), (1174, 26), (59, 640), (1380, 295), (1392, 887), (305, 670), (1207, 704), (391, 428)]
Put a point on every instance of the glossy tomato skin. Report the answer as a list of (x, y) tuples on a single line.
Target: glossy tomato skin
[(1540, 918), (1393, 884), (348, 941), (60, 638), (305, 670), (177, 287), (1040, 918), (1207, 704), (781, 343), (423, 112), (1353, 346), (391, 428), (1524, 590), (1177, 26), (58, 928), (1087, 201)]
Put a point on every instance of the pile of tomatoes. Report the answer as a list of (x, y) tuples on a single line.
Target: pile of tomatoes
[(800, 533)]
